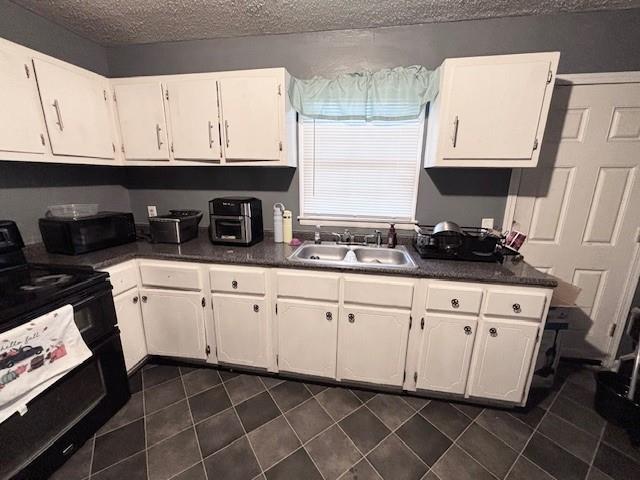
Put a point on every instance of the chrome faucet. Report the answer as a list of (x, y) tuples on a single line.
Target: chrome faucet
[(346, 237), (376, 237)]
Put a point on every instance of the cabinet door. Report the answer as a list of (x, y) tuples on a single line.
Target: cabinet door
[(21, 122), (142, 121), (307, 337), (134, 345), (174, 323), (445, 353), (193, 113), (241, 329), (493, 105), (251, 118), (76, 110), (502, 359), (372, 344)]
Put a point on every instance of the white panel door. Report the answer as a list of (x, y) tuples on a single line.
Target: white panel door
[(493, 105), (21, 121), (445, 353), (581, 206), (307, 337), (193, 114), (76, 110), (372, 344), (174, 323), (134, 344), (142, 120), (241, 329), (250, 118), (502, 358)]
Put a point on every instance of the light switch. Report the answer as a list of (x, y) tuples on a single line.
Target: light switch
[(152, 211), (487, 223)]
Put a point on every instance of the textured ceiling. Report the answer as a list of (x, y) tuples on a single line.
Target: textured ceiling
[(117, 22)]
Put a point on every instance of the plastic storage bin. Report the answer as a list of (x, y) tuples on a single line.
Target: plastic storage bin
[(73, 210)]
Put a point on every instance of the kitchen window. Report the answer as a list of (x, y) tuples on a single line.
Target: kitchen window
[(357, 173)]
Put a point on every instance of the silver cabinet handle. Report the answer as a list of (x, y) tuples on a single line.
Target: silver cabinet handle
[(210, 134), (454, 137), (56, 106), (467, 330), (329, 316), (234, 284), (135, 299), (455, 303), (158, 130), (493, 332), (352, 318), (516, 308), (144, 299), (226, 132), (256, 308)]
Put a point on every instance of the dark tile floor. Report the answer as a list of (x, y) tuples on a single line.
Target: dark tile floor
[(187, 423)]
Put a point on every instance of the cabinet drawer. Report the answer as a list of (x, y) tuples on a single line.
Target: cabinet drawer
[(306, 285), (454, 299), (123, 277), (378, 291), (170, 276), (238, 280), (515, 304)]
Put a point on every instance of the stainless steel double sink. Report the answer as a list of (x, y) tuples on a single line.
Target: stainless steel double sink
[(352, 255)]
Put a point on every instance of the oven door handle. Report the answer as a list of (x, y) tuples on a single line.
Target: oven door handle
[(92, 298), (227, 217)]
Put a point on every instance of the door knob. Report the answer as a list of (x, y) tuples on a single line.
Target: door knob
[(329, 316), (144, 299), (352, 318), (493, 332), (256, 308), (234, 284), (135, 299), (467, 330), (455, 303), (516, 308)]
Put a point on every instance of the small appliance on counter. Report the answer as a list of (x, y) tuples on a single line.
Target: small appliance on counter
[(72, 232), (448, 241), (235, 221), (178, 226)]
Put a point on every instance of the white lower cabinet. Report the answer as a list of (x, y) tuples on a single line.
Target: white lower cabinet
[(241, 329), (307, 337), (174, 323), (502, 359), (445, 353), (132, 337), (372, 344)]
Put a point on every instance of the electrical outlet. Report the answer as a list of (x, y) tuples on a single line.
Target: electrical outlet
[(152, 211), (487, 223)]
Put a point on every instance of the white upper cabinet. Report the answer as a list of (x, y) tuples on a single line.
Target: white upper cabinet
[(21, 123), (141, 116), (76, 109), (490, 111), (193, 114), (251, 117)]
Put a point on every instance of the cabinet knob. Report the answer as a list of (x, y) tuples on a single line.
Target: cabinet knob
[(329, 316), (467, 330), (135, 299), (516, 308), (455, 303), (493, 332), (144, 299), (234, 284), (256, 308), (352, 318)]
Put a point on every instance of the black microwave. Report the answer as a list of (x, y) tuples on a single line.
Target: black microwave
[(73, 236)]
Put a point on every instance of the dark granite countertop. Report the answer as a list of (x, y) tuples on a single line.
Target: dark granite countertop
[(270, 254)]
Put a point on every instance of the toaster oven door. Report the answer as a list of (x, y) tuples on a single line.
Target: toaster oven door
[(230, 229)]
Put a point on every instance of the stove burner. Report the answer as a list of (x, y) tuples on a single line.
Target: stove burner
[(48, 281)]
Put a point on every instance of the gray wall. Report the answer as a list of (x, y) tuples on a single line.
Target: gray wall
[(589, 42), (26, 189)]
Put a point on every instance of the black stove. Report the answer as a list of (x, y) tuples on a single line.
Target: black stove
[(472, 244), (33, 289)]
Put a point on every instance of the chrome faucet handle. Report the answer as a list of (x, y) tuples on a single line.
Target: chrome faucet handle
[(347, 236), (378, 235), (365, 238), (338, 236)]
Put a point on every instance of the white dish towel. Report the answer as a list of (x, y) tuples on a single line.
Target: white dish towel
[(35, 355)]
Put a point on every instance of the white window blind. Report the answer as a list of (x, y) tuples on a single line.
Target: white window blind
[(360, 171)]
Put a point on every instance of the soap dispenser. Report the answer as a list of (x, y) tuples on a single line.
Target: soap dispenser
[(392, 237)]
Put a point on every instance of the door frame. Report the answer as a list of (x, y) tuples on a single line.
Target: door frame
[(633, 278)]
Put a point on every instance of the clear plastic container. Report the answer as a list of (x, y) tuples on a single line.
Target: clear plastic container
[(73, 210)]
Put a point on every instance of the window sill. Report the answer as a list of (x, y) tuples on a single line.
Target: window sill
[(355, 223)]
